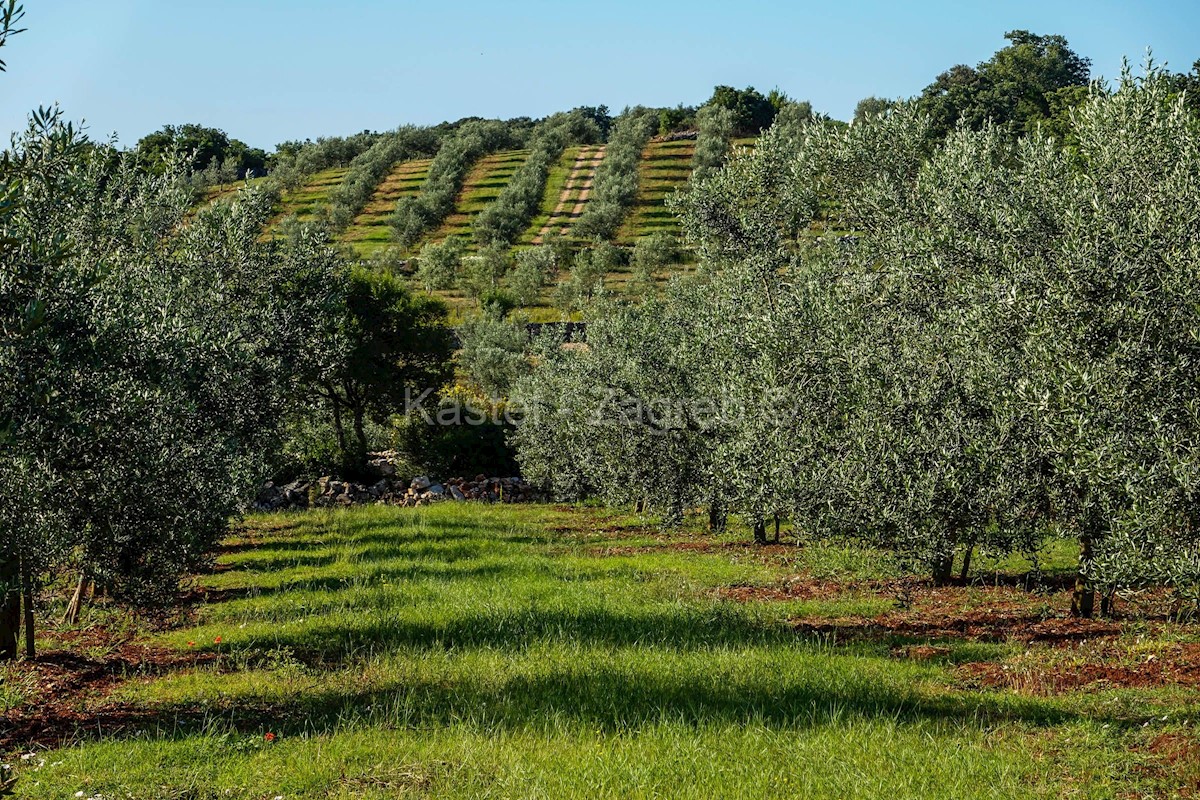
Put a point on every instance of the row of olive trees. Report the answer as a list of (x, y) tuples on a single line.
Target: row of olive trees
[(148, 354), (714, 138), (1004, 349), (292, 162), (414, 216), (506, 218), (615, 188), (370, 167)]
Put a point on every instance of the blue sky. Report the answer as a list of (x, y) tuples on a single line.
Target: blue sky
[(270, 70)]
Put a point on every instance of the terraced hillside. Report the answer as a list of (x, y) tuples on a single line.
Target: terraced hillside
[(369, 232), (305, 200), (665, 167), (571, 194), (483, 185)]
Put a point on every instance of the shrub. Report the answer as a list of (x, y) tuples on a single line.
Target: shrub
[(535, 267), (483, 272), (714, 140), (370, 167)]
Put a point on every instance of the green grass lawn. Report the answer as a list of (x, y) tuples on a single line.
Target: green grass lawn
[(471, 651)]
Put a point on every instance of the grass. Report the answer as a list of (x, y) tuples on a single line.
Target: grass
[(472, 651), (665, 167), (306, 200), (369, 232), (483, 184), (556, 181)]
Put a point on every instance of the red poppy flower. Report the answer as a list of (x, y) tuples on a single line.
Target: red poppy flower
[(217, 640), (191, 644), (270, 737)]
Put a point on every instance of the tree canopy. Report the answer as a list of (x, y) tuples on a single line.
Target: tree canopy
[(1015, 88)]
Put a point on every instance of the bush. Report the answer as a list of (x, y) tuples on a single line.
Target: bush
[(651, 254), (509, 215), (492, 352), (715, 138), (483, 272), (370, 167)]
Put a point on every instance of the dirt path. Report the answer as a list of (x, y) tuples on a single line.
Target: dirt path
[(583, 174)]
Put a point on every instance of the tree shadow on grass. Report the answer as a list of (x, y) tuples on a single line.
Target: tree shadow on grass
[(364, 549), (600, 698), (369, 578)]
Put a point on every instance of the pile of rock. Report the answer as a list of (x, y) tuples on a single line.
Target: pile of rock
[(421, 490), (677, 136), (493, 490)]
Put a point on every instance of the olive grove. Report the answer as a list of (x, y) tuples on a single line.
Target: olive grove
[(932, 347)]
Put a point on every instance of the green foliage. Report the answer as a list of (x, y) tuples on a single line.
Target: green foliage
[(651, 254), (615, 417), (439, 264), (370, 167), (871, 107), (535, 268), (586, 278), (205, 149), (149, 353), (679, 118), (1013, 89), (751, 111), (458, 439), (293, 161), (1001, 347), (616, 183), (1188, 84), (414, 216), (483, 272), (509, 215), (716, 124), (380, 348), (492, 352)]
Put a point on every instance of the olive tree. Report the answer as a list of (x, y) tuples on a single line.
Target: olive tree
[(440, 263), (1116, 342), (535, 267), (714, 139), (147, 358), (618, 415), (492, 352), (616, 182)]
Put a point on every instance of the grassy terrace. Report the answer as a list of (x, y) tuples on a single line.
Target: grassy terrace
[(556, 182), (369, 232), (473, 651), (573, 189), (482, 185), (307, 199), (665, 167)]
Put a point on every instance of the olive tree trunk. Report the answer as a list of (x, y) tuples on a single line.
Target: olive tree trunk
[(1083, 599), (10, 607), (27, 603)]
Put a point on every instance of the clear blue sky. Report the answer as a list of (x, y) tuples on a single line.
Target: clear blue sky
[(270, 70)]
